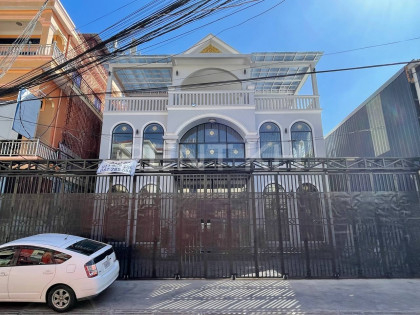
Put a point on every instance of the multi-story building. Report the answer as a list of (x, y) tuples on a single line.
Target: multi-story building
[(56, 126), (212, 102), (387, 124)]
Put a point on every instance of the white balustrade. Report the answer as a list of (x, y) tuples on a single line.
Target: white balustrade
[(137, 104), (210, 98), (188, 99), (29, 50), (286, 102), (27, 148)]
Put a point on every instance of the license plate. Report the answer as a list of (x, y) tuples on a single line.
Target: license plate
[(107, 264)]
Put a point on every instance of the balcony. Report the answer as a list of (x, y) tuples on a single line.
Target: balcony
[(30, 50), (212, 99), (30, 149)]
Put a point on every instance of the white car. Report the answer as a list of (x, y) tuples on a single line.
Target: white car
[(58, 269)]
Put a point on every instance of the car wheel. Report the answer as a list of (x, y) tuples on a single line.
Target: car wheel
[(61, 298)]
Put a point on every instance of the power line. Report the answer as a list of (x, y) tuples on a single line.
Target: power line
[(216, 83), (161, 22)]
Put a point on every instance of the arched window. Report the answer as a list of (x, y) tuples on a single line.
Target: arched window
[(270, 141), (116, 214), (275, 203), (122, 142), (153, 142), (310, 214), (211, 141), (302, 144), (148, 219)]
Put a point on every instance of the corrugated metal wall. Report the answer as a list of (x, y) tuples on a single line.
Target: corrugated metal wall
[(386, 126)]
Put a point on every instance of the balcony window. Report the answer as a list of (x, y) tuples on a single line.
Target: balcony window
[(270, 141), (302, 144), (211, 141), (97, 103), (77, 79), (153, 142), (122, 142)]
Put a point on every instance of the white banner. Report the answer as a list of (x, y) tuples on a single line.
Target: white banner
[(127, 167)]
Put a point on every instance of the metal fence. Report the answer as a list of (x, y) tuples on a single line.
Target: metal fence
[(219, 224)]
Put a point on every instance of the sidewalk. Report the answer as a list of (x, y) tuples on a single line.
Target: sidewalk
[(254, 296)]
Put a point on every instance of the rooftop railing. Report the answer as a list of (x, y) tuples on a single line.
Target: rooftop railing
[(215, 99)]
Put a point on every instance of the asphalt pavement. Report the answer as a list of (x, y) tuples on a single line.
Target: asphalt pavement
[(246, 296)]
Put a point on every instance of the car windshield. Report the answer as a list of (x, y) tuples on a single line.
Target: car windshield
[(86, 247)]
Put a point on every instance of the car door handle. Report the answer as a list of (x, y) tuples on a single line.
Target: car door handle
[(48, 272), (3, 274)]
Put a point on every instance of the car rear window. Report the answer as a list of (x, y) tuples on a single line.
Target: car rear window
[(86, 247)]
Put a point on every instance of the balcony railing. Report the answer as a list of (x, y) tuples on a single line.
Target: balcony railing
[(286, 102), (29, 148), (137, 104), (215, 99), (210, 98), (30, 50)]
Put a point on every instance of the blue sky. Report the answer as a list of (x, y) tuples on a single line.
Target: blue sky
[(329, 26)]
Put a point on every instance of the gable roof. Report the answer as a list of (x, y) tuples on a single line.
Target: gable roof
[(211, 44)]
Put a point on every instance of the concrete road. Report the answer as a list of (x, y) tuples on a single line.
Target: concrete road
[(253, 296)]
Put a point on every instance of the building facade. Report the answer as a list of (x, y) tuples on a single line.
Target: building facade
[(211, 102), (58, 126), (387, 124)]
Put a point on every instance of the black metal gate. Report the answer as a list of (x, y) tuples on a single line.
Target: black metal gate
[(220, 224)]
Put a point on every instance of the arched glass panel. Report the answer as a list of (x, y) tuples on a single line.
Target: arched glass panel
[(310, 214), (148, 219), (211, 141), (122, 142), (270, 141), (302, 144), (116, 214), (119, 189), (275, 203), (153, 142)]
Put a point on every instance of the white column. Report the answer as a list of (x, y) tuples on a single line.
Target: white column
[(314, 82), (251, 147), (108, 94), (416, 81), (170, 147)]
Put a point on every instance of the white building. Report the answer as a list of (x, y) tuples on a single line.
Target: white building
[(212, 102)]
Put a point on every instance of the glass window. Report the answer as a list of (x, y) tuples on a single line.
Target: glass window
[(211, 141), (118, 188), (6, 256), (122, 142), (35, 256), (302, 144), (77, 79), (86, 247), (60, 257), (272, 202), (153, 142), (310, 216), (148, 220), (270, 141)]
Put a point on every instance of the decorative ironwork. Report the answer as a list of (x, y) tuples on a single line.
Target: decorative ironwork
[(221, 165)]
